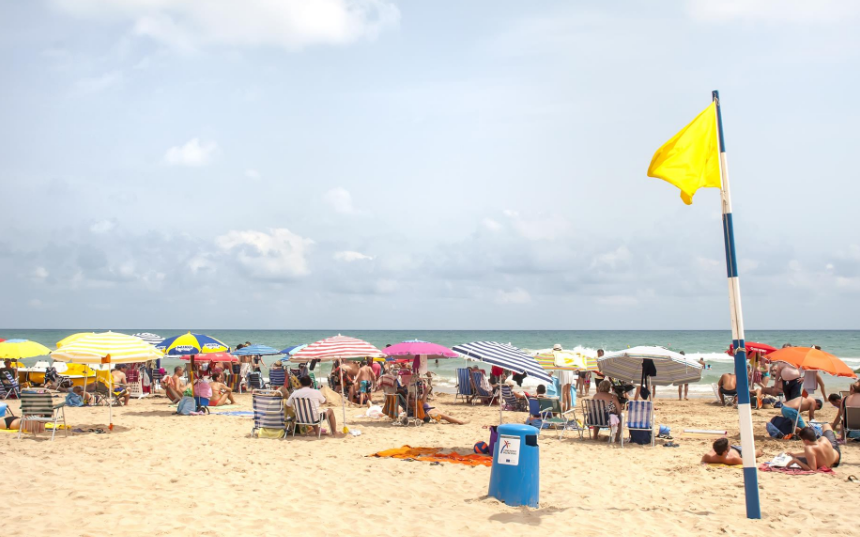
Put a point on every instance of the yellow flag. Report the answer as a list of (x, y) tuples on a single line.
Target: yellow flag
[(691, 159)]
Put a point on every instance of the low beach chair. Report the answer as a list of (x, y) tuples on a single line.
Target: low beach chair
[(39, 407), (9, 386), (307, 413), (511, 403), (269, 417), (134, 383), (640, 417), (277, 377), (477, 378), (464, 385), (549, 411), (595, 414), (851, 422), (255, 380)]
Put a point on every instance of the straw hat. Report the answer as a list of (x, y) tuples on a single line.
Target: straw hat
[(557, 347)]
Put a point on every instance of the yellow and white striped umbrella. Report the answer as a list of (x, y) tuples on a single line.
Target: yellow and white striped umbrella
[(68, 339), (96, 348)]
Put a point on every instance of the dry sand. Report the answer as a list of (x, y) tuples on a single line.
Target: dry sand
[(163, 474)]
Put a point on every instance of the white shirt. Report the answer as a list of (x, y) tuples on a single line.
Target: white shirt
[(307, 393)]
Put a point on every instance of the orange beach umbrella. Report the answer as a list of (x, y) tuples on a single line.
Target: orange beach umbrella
[(812, 359)]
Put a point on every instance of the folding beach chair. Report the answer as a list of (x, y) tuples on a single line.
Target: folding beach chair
[(277, 377), (103, 396), (851, 422), (38, 407), (255, 380), (134, 382), (511, 403), (640, 417), (307, 413), (548, 410), (464, 385), (9, 386), (596, 414), (478, 391), (157, 375), (269, 418)]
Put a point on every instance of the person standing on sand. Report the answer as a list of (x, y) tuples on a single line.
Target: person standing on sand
[(685, 387), (364, 380), (791, 378)]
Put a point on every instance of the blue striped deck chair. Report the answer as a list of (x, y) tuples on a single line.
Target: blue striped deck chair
[(511, 403), (255, 380), (9, 385), (269, 418), (596, 414), (640, 417), (307, 413), (464, 385), (480, 392), (277, 377), (39, 407)]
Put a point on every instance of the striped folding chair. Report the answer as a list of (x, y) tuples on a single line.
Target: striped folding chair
[(477, 377), (307, 413), (596, 414), (640, 417), (464, 385), (255, 380), (512, 404), (134, 383), (38, 407), (268, 414), (277, 377), (9, 386)]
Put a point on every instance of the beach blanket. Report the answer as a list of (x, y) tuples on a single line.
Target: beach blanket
[(796, 471), (234, 412), (721, 465), (435, 455)]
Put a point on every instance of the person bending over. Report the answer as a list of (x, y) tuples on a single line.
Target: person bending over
[(306, 392), (723, 453), (817, 452), (805, 404)]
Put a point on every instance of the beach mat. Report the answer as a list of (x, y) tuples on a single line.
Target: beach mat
[(796, 471), (434, 455), (241, 413)]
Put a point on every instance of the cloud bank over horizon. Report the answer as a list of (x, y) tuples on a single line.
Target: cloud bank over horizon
[(177, 163)]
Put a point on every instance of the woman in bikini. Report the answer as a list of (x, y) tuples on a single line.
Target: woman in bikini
[(221, 394)]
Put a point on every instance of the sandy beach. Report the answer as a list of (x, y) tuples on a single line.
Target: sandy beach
[(163, 474)]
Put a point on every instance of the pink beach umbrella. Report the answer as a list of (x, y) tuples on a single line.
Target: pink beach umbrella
[(416, 347)]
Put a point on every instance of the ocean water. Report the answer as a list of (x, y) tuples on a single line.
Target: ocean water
[(708, 344)]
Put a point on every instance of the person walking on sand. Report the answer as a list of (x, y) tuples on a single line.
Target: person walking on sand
[(684, 387), (306, 392), (364, 380)]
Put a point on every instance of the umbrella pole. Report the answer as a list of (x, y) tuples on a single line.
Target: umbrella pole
[(342, 399)]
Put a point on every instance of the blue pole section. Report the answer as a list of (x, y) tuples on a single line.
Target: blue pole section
[(744, 412)]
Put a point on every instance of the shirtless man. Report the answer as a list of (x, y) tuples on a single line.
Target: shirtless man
[(727, 385), (792, 381), (804, 404), (306, 392), (120, 384), (221, 393), (817, 453), (364, 380), (174, 385), (723, 453)]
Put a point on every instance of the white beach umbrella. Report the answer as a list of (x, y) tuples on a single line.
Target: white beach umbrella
[(672, 368)]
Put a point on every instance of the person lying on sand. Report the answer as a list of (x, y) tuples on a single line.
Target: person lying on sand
[(306, 392), (221, 394), (434, 413), (723, 453), (817, 452), (79, 398)]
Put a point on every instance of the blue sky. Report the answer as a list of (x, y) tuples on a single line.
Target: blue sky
[(379, 164)]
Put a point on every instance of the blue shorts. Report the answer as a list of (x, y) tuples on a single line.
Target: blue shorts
[(365, 386)]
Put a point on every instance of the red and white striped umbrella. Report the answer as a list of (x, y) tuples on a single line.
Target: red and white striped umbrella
[(337, 348)]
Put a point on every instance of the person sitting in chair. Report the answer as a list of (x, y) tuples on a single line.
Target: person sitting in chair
[(120, 384), (174, 385), (306, 392)]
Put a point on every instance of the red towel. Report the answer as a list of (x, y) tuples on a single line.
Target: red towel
[(796, 471)]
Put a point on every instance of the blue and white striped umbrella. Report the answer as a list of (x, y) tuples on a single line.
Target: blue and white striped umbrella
[(152, 339), (289, 351), (503, 355), (256, 350), (672, 368)]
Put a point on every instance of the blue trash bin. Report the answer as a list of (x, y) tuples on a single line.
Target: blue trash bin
[(515, 476)]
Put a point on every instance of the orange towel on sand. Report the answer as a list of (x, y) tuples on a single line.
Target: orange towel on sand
[(435, 455)]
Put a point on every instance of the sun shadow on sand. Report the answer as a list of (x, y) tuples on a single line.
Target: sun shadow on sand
[(526, 515), (161, 413)]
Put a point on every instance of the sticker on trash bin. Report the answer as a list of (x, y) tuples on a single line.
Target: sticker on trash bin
[(509, 450)]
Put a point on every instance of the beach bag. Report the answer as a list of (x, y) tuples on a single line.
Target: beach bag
[(494, 436), (186, 406), (782, 425), (640, 437)]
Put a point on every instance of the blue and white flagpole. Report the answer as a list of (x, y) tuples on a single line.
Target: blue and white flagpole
[(744, 413)]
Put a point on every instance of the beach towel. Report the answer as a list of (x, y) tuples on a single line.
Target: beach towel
[(796, 471), (242, 413), (434, 455), (721, 465)]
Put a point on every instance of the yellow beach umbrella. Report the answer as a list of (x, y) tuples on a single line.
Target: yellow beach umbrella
[(22, 348), (68, 339), (107, 347)]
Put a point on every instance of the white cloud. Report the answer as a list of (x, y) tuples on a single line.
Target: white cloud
[(252, 174), (277, 255), (775, 11), (619, 256), (98, 83), (491, 224), (103, 226), (517, 295), (187, 25), (539, 227), (193, 153), (340, 200), (349, 257), (40, 274)]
